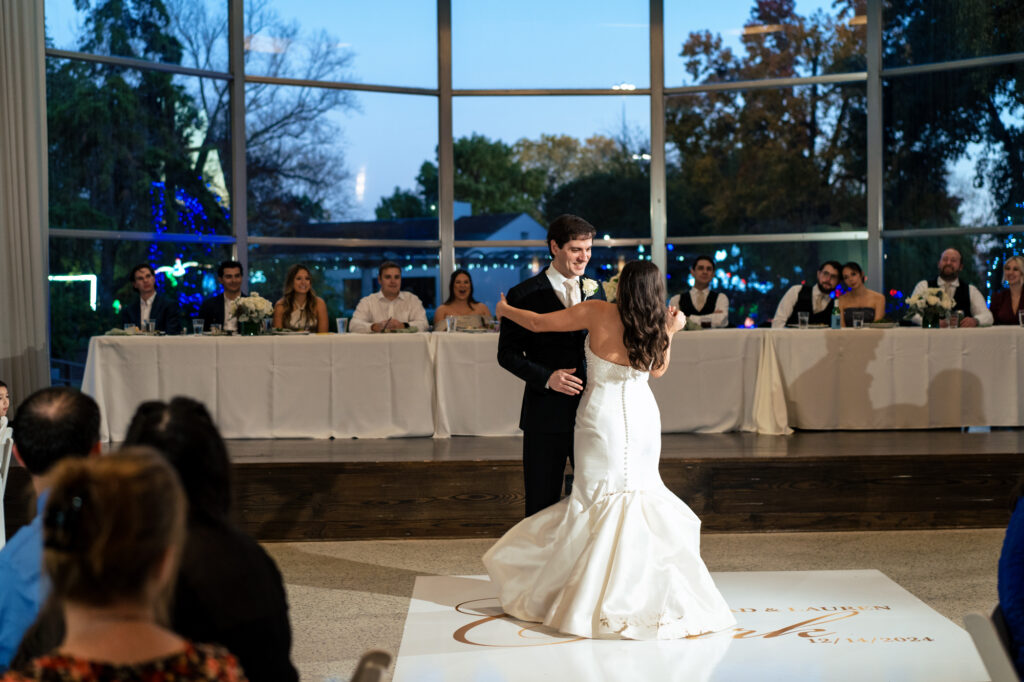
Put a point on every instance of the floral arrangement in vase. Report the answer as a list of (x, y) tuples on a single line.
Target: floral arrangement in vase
[(250, 311), (932, 304)]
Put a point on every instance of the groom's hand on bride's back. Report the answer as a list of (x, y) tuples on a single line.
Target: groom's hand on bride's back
[(565, 381)]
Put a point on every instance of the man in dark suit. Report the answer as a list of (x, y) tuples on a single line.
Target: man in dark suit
[(150, 305), (552, 364), (216, 309)]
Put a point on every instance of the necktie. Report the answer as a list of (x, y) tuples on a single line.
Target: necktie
[(571, 286)]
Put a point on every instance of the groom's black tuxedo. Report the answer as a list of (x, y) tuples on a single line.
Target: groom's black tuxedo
[(548, 417)]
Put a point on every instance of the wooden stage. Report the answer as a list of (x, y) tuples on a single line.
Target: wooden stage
[(472, 487)]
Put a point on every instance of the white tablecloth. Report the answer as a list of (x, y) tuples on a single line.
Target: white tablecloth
[(901, 378), (316, 386)]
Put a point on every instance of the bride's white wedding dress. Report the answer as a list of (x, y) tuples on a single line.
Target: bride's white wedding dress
[(620, 556)]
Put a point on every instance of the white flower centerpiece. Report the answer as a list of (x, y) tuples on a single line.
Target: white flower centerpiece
[(932, 304), (611, 288), (250, 311)]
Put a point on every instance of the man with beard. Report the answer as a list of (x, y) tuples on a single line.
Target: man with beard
[(966, 297), (815, 299)]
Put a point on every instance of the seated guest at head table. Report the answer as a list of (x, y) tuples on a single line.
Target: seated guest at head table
[(966, 297), (703, 305), (468, 312), (859, 298), (218, 309), (113, 530), (300, 309), (1006, 302), (389, 309), (151, 305), (813, 299)]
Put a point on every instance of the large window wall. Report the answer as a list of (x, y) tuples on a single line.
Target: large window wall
[(770, 136)]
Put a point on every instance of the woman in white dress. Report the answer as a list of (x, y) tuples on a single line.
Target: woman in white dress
[(620, 556)]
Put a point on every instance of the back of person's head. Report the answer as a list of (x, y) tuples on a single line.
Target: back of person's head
[(567, 227), (53, 424), (640, 296), (183, 431), (110, 525)]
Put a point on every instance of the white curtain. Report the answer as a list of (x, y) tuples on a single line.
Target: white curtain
[(24, 290)]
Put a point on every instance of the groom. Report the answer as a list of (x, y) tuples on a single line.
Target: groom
[(552, 364)]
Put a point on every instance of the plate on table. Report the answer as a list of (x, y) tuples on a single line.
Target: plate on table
[(478, 330), (880, 325), (810, 326), (403, 330), (289, 332)]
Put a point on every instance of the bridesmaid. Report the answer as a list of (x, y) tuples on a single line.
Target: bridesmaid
[(1006, 302), (300, 309), (470, 313), (859, 297)]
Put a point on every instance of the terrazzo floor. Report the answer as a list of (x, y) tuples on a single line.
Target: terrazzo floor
[(347, 597)]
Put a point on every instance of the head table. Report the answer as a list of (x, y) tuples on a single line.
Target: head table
[(388, 385)]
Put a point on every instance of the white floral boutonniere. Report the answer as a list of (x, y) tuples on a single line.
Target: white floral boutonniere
[(611, 288), (589, 287)]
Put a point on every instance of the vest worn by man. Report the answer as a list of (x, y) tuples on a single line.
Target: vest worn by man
[(687, 308), (961, 296), (805, 304)]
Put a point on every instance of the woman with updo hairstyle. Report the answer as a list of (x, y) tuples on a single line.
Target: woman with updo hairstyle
[(113, 530), (300, 309), (619, 557)]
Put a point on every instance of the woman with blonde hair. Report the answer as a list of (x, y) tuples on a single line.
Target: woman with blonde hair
[(300, 309), (1006, 302), (113, 531)]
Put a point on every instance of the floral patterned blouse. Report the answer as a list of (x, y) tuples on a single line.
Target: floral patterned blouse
[(200, 662)]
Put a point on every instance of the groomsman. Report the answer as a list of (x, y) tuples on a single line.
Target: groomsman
[(217, 308), (701, 303), (150, 306), (552, 364)]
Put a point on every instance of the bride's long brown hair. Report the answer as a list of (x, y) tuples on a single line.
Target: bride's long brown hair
[(641, 300)]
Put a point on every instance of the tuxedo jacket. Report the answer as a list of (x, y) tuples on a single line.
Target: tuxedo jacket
[(211, 310), (164, 311), (534, 356)]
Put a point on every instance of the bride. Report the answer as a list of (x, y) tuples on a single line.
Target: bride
[(620, 556)]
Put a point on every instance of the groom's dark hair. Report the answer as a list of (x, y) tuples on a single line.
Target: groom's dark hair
[(567, 227)]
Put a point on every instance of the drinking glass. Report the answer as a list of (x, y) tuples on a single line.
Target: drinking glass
[(858, 319), (705, 324), (197, 326), (216, 329), (342, 324), (129, 327), (267, 322), (803, 319), (953, 319), (151, 326), (450, 324)]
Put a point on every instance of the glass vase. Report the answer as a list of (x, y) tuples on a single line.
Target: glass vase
[(249, 328)]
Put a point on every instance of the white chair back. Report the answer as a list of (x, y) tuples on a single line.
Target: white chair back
[(6, 446), (993, 643)]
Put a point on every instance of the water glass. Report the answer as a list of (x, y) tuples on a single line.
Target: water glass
[(953, 319), (267, 322), (216, 329), (450, 324), (130, 327), (197, 326), (858, 318), (342, 324), (150, 326), (803, 319)]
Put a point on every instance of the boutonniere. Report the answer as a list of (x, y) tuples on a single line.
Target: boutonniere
[(589, 286)]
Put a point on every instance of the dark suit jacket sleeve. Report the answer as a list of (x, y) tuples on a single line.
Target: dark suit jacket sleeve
[(512, 344), (130, 313), (212, 310), (169, 319)]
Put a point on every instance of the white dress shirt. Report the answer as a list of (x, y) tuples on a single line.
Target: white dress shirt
[(406, 307), (145, 308), (566, 288), (819, 301), (698, 297), (230, 321), (979, 310)]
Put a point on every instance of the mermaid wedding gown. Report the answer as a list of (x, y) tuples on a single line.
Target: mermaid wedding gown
[(620, 556)]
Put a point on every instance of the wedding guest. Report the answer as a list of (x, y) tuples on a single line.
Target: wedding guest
[(708, 307), (151, 305), (858, 297), (966, 297), (218, 309), (113, 531), (300, 309), (5, 399), (814, 299), (53, 424), (390, 308), (1006, 302), (468, 312)]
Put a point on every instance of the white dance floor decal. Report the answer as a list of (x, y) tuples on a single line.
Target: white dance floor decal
[(791, 625)]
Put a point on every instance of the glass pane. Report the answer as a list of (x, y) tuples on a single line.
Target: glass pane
[(89, 286), (135, 150), (388, 42), (537, 44), (746, 40), (343, 276), (188, 32), (948, 29), (522, 161), (767, 161), (321, 156), (909, 260), (756, 276), (496, 270), (952, 150)]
